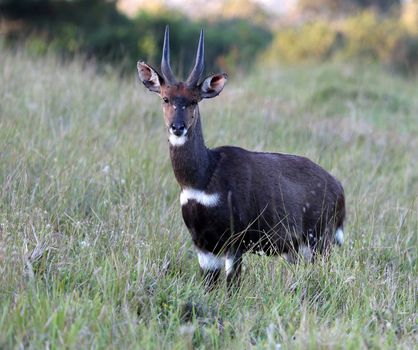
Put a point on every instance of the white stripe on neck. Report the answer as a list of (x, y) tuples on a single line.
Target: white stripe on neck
[(208, 200), (177, 140)]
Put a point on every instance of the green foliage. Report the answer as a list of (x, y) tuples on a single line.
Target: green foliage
[(97, 30), (384, 39), (228, 43), (342, 7), (93, 250), (368, 35), (365, 35), (404, 55), (310, 41)]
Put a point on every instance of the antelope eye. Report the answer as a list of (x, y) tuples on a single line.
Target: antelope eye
[(165, 99)]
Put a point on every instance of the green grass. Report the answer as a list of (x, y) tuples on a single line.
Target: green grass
[(93, 250)]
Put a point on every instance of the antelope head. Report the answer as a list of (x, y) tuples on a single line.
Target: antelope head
[(180, 99)]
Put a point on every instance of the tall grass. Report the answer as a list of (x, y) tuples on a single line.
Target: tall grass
[(93, 251)]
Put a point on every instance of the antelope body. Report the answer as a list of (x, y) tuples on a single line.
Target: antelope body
[(235, 201)]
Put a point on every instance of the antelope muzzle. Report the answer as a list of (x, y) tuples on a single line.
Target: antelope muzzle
[(178, 128)]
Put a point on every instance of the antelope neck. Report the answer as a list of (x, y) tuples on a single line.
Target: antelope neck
[(192, 162)]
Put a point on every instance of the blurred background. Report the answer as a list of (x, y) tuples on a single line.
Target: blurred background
[(240, 34)]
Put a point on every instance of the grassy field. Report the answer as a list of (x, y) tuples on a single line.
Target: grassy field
[(93, 250)]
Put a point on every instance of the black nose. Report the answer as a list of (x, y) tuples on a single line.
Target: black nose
[(177, 128)]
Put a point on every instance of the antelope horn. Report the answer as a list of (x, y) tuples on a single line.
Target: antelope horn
[(199, 65), (165, 61)]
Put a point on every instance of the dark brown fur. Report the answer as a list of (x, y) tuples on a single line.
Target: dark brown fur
[(269, 202), (273, 199)]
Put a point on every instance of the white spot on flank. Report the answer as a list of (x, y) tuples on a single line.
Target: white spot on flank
[(339, 236), (177, 140), (208, 200), (209, 261), (229, 265)]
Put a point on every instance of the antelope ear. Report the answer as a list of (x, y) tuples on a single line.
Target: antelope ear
[(149, 77), (213, 85)]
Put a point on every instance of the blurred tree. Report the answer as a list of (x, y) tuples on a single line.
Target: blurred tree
[(409, 15), (310, 41), (244, 9), (369, 35), (96, 29), (229, 43), (343, 7)]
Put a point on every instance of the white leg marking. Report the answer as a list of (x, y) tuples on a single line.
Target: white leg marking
[(290, 258), (208, 200), (209, 261), (306, 252), (229, 265), (177, 140), (339, 236)]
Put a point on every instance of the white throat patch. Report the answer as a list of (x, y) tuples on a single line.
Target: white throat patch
[(208, 200), (177, 140)]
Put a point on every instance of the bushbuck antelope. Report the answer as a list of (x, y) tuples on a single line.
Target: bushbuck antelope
[(235, 201)]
